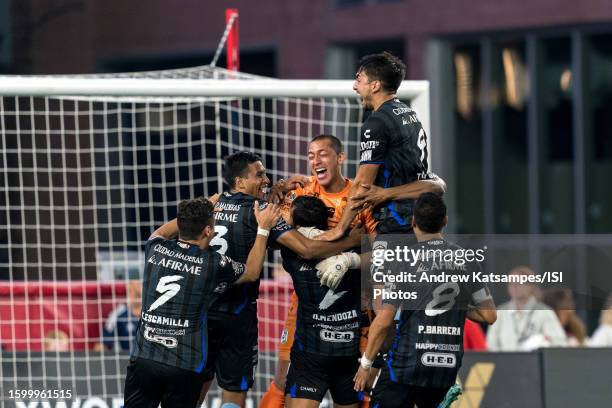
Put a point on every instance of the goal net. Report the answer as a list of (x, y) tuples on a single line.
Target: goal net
[(91, 165)]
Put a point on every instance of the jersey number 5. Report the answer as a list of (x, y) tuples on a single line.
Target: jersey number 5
[(218, 240), (168, 290)]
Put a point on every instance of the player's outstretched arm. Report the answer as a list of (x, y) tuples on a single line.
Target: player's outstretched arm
[(372, 196), (366, 174), (266, 219), (376, 337), (311, 249), (168, 231)]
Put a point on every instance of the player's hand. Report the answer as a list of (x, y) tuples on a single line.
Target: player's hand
[(282, 187), (361, 378), (371, 196), (215, 199), (268, 217), (331, 235), (330, 271)]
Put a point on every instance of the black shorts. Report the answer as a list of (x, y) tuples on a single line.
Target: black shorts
[(232, 350), (149, 383), (389, 394), (311, 375)]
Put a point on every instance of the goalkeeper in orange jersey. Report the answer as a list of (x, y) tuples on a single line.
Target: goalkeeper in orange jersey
[(325, 157)]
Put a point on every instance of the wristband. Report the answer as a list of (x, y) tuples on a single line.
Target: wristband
[(365, 363), (263, 232)]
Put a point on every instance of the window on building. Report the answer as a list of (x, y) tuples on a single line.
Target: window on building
[(598, 116)]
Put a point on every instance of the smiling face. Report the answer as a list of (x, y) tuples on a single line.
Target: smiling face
[(255, 182), (365, 88), (325, 162)]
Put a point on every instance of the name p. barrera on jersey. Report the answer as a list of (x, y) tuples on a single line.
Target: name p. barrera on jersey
[(235, 223), (394, 137), (180, 282), (328, 321), (429, 347)]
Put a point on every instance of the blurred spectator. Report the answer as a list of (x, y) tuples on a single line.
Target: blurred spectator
[(523, 323), (602, 337), (56, 340), (120, 326), (474, 337), (562, 302)]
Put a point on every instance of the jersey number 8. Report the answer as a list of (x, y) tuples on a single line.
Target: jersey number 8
[(443, 299)]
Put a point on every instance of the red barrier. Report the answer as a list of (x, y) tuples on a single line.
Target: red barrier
[(30, 310)]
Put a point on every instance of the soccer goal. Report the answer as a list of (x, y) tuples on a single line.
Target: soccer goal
[(91, 165)]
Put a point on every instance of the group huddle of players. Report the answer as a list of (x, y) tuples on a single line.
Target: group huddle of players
[(201, 278)]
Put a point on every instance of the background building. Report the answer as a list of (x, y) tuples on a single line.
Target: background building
[(521, 92)]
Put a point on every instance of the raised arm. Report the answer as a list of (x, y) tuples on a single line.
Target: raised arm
[(372, 196), (311, 249)]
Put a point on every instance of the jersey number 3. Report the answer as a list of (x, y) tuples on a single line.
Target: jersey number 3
[(218, 240), (168, 289)]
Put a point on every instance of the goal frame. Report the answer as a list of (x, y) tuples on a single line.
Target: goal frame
[(416, 91)]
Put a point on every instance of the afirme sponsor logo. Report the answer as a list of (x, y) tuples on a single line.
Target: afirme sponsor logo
[(439, 360), (336, 337), (448, 330)]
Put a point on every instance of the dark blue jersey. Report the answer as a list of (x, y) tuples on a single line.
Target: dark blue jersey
[(236, 230), (428, 346), (328, 321), (180, 282), (393, 137)]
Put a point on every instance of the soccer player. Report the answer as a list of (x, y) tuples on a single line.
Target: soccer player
[(233, 317), (325, 156), (181, 279), (427, 352), (393, 148), (326, 345)]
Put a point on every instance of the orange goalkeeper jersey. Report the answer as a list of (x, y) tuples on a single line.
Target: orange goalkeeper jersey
[(335, 203)]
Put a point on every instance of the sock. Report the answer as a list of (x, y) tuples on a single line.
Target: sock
[(273, 398)]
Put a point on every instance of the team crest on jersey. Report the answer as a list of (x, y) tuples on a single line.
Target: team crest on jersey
[(221, 287)]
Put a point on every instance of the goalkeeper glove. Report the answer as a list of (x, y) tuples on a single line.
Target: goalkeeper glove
[(332, 270)]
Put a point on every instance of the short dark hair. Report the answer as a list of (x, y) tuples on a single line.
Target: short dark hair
[(384, 67), (309, 211), (237, 165), (429, 213), (193, 215), (336, 144)]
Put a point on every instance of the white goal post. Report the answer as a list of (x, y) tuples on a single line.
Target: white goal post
[(417, 92)]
